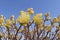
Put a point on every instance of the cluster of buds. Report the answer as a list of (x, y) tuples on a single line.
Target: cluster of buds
[(47, 16)]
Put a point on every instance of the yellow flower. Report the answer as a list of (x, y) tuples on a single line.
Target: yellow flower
[(58, 18), (25, 18), (22, 12), (47, 14), (38, 19), (8, 23), (30, 11), (55, 20), (12, 18), (39, 15), (1, 19)]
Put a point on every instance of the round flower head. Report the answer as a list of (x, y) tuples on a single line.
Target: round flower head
[(38, 19), (47, 14), (25, 18), (30, 10), (8, 23), (22, 12), (55, 20)]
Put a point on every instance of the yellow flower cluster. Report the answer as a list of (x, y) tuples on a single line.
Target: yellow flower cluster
[(38, 18), (1, 19), (38, 23), (47, 16), (55, 20), (30, 11), (8, 23), (24, 17)]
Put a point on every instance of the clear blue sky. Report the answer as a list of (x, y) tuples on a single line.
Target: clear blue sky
[(9, 7)]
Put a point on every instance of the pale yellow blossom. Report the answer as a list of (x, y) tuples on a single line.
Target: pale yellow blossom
[(38, 19), (23, 18), (22, 12), (30, 11), (8, 23), (1, 19), (47, 14), (55, 20)]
